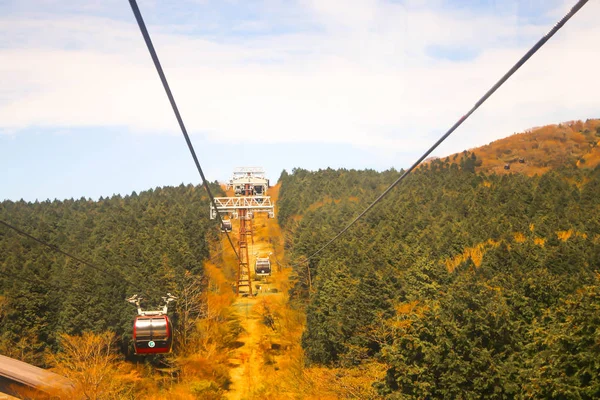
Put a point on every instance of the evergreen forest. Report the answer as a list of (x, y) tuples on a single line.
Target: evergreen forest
[(461, 284), (146, 244)]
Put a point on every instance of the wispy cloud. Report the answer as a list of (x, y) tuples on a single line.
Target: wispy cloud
[(367, 73)]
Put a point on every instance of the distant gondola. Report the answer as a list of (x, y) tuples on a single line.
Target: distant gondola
[(226, 227), (262, 267)]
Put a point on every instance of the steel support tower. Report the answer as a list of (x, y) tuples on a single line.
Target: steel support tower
[(243, 207), (244, 277)]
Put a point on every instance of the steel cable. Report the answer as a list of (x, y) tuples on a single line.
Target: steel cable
[(482, 100), (163, 79)]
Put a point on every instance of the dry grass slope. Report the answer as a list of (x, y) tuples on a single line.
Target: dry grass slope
[(573, 143)]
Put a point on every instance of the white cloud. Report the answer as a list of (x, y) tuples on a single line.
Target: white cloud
[(367, 78)]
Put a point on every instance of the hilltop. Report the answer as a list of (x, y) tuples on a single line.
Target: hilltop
[(540, 149)]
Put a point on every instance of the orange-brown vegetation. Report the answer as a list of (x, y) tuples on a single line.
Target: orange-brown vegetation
[(477, 252), (201, 368), (406, 310), (519, 237), (565, 235), (91, 363), (573, 143), (474, 253)]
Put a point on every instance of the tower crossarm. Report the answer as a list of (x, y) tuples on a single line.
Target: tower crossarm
[(246, 171), (251, 203)]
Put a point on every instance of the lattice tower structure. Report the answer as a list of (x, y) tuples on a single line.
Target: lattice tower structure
[(244, 206), (244, 278)]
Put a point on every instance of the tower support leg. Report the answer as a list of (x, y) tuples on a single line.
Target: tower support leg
[(244, 278)]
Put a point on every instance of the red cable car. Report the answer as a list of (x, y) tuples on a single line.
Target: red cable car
[(152, 334), (152, 330)]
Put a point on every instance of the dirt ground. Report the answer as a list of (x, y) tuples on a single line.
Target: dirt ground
[(269, 363), (249, 364)]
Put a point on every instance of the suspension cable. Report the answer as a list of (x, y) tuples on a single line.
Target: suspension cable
[(163, 79), (58, 250), (462, 119)]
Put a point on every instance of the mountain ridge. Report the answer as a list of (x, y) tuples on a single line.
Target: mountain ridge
[(540, 149)]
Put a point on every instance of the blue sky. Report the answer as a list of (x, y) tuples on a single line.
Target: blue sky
[(277, 84)]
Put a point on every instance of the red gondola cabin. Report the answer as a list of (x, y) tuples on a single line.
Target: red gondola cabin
[(152, 334)]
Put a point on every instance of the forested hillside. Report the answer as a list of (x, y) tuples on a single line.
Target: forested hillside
[(148, 244), (458, 285), (541, 149), (462, 283)]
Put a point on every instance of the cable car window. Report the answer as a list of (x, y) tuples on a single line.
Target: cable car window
[(143, 329), (151, 329), (159, 328)]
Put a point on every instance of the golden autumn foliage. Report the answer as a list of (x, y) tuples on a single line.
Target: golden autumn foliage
[(474, 253), (202, 371), (91, 363), (477, 252), (404, 313), (343, 383), (277, 368), (541, 149), (519, 237), (269, 362), (565, 235)]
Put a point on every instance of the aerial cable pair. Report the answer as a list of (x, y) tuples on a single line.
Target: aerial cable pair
[(162, 76), (462, 119)]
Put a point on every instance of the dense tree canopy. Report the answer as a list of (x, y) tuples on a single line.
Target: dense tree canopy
[(465, 285), (142, 244)]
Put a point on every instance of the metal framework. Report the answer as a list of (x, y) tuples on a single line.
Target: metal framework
[(244, 171), (135, 299), (250, 187), (251, 204), (243, 276), (249, 181)]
